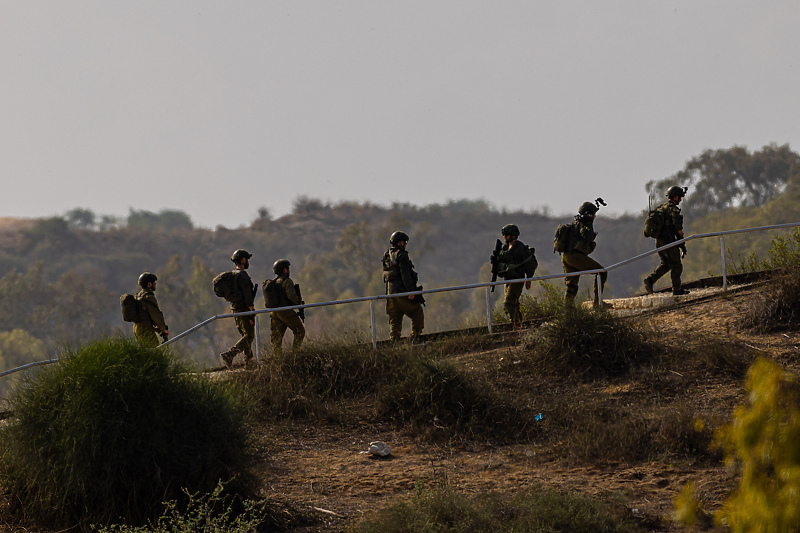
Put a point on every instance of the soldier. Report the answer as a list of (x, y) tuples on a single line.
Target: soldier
[(671, 231), (581, 244), (516, 261), (281, 320), (245, 292), (152, 323), (399, 276)]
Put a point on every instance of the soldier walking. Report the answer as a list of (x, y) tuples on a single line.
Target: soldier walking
[(280, 321), (151, 323), (244, 300), (671, 230), (399, 276), (581, 244), (516, 261)]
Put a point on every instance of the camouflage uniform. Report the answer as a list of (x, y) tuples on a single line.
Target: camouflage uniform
[(577, 259), (281, 320), (516, 262), (670, 258), (152, 319), (246, 290), (399, 275)]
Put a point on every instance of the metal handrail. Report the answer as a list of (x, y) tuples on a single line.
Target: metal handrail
[(487, 285)]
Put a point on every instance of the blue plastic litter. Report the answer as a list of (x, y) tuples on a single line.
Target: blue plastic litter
[(538, 417)]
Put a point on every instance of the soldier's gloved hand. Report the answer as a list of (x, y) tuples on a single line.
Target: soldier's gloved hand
[(683, 250)]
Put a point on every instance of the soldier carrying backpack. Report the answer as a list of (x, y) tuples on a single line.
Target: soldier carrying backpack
[(283, 292), (239, 290), (665, 225), (575, 241), (143, 311), (515, 260)]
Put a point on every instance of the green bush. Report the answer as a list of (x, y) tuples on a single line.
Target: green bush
[(442, 510), (589, 344), (113, 430)]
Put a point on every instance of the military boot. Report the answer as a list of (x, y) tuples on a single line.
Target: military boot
[(648, 285), (680, 291), (227, 357)]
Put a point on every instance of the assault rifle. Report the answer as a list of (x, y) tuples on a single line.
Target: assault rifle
[(418, 297), (495, 262), (302, 311)]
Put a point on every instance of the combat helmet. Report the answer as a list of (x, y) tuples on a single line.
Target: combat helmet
[(146, 278), (240, 254), (674, 191), (588, 208), (279, 265), (510, 229), (398, 236)]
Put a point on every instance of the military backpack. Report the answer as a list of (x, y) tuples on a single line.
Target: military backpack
[(564, 241), (225, 286), (272, 293), (654, 224), (391, 270), (131, 308)]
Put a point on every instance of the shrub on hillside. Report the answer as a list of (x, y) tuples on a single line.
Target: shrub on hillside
[(441, 509), (763, 442), (402, 383), (113, 430), (589, 344), (777, 305)]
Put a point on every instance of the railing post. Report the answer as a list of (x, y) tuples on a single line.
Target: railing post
[(258, 341), (599, 286), (372, 318), (724, 266), (489, 309)]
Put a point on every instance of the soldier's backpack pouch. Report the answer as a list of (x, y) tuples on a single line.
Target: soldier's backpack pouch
[(131, 307), (272, 293), (532, 265), (391, 270), (561, 242), (654, 224), (225, 286)]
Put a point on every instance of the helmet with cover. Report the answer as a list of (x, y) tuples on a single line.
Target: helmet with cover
[(240, 254), (398, 236), (674, 191), (279, 265), (588, 208), (510, 229), (147, 277)]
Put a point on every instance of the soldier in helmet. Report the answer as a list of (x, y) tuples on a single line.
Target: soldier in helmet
[(399, 276), (671, 231), (576, 258), (281, 320), (152, 319), (245, 291), (516, 261)]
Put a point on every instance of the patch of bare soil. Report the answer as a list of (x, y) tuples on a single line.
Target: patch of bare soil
[(322, 466)]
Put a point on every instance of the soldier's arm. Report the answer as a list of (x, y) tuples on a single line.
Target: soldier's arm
[(405, 272), (246, 287), (155, 313), (291, 293)]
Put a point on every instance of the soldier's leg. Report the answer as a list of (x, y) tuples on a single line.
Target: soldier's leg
[(248, 331), (675, 267), (584, 262), (413, 310), (572, 281), (277, 329), (395, 318), (663, 267), (513, 291), (294, 323)]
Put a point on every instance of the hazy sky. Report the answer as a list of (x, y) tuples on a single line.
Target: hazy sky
[(218, 108)]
